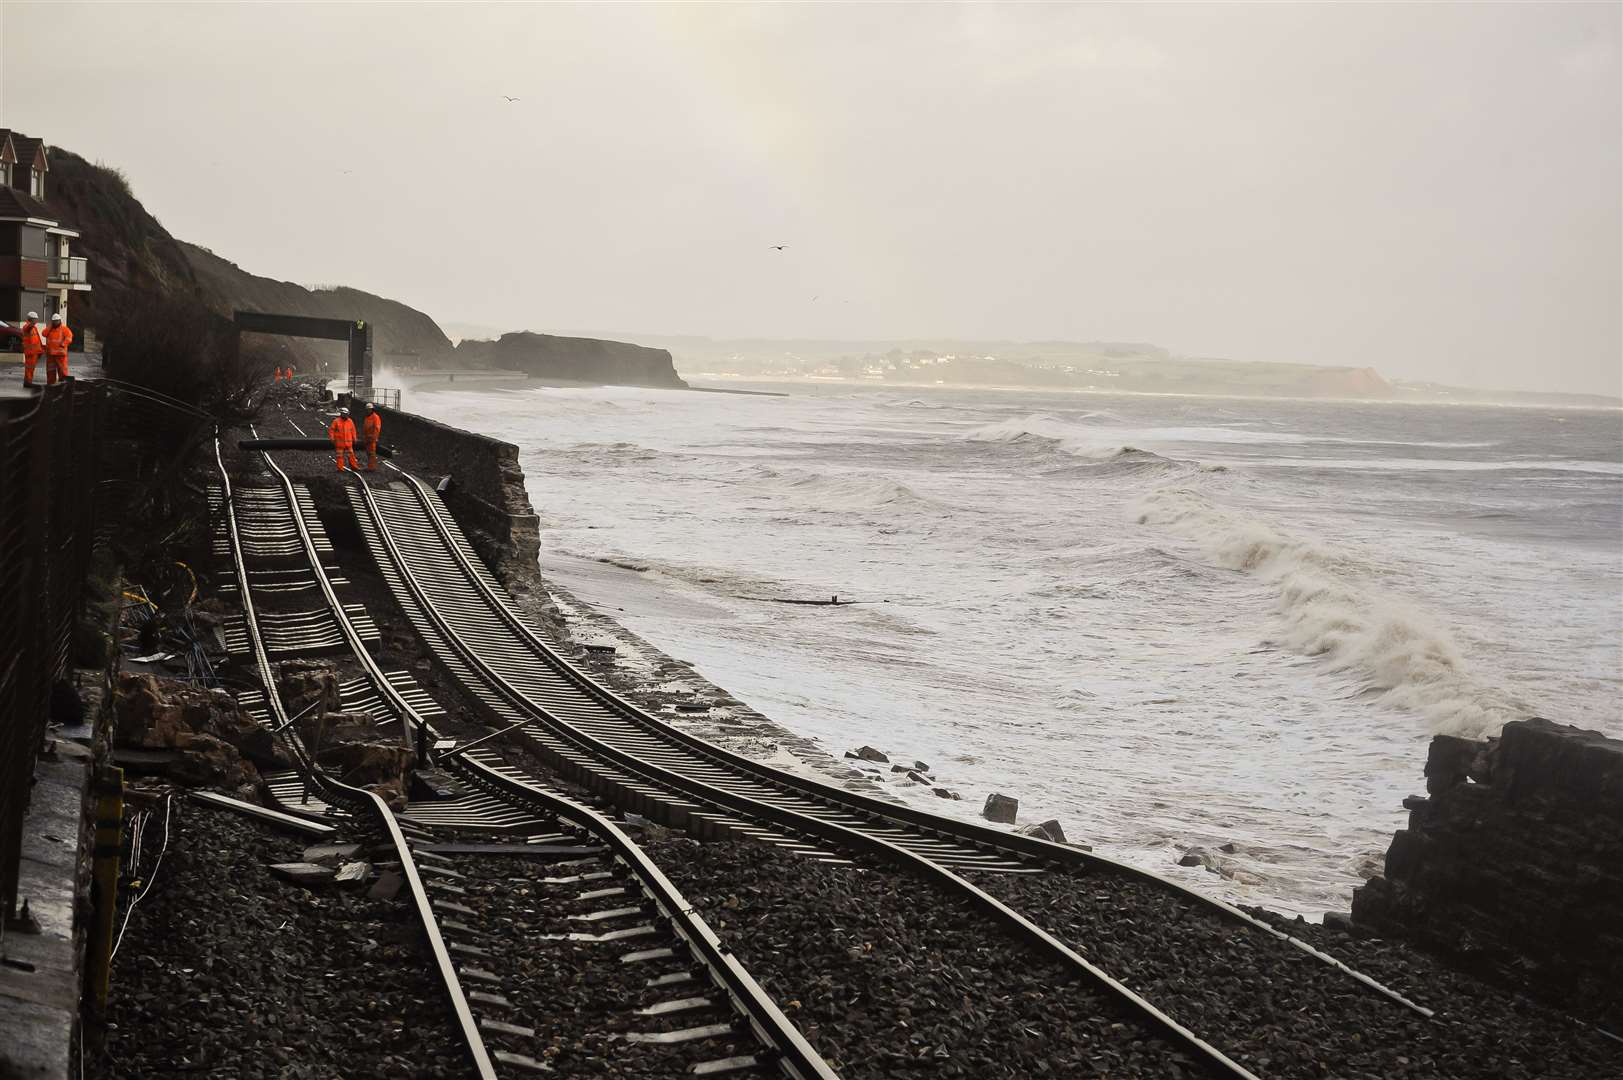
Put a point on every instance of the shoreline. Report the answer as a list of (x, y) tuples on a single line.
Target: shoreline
[(1006, 388)]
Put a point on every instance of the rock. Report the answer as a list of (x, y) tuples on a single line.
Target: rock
[(153, 713), (1339, 920), (1229, 848), (353, 873), (944, 793), (369, 764), (920, 766), (330, 728), (307, 683), (916, 778), (1195, 856), (1000, 808), (868, 753), (1520, 870), (208, 761), (1048, 830), (1448, 762)]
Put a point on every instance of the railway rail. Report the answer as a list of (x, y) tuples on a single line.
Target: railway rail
[(361, 802), (696, 1005), (646, 765)]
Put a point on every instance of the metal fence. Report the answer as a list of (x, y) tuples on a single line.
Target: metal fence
[(384, 397), (49, 472)]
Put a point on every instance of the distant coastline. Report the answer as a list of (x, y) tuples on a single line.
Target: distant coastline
[(1487, 399)]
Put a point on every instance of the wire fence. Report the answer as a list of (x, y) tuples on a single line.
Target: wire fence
[(50, 468)]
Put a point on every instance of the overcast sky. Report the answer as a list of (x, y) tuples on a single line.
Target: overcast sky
[(1433, 190)]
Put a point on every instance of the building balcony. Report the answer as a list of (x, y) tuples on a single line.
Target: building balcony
[(68, 270)]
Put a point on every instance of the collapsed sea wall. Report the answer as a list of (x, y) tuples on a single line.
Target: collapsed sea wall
[(486, 494), (1513, 862)]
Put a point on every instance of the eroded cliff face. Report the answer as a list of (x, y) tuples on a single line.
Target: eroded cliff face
[(1514, 862), (585, 360)]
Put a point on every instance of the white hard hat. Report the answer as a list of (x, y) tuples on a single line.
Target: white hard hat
[(33, 314), (57, 317), (369, 405), (343, 412)]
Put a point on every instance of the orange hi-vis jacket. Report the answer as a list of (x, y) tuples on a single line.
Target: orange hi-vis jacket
[(33, 344), (342, 432), (373, 427), (57, 340)]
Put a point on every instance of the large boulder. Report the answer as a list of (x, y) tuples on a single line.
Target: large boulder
[(308, 685), (206, 761), (381, 768), (1000, 808), (156, 714), (1048, 830)]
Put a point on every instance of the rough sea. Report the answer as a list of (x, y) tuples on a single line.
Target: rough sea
[(1167, 622)]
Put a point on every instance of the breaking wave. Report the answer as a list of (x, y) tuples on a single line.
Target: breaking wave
[(1332, 610), (841, 491), (1049, 433)]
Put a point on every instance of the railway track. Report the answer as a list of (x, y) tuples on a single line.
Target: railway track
[(590, 734), (679, 1001), (335, 793)]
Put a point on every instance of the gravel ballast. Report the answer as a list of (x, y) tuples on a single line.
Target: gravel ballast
[(227, 970), (580, 996), (886, 978), (1283, 1013)]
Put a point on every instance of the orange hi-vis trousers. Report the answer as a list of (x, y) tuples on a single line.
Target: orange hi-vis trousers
[(343, 449)]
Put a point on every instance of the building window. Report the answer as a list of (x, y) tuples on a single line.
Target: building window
[(5, 174), (36, 185)]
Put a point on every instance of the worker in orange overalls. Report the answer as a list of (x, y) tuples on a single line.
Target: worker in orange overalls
[(57, 340), (276, 373), (342, 433), (371, 428), (33, 347)]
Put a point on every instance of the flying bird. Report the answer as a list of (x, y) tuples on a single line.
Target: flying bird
[(778, 247), (510, 100)]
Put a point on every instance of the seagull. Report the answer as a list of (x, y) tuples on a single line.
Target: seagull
[(777, 247), (510, 100)]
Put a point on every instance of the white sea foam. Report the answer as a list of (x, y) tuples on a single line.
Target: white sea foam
[(1224, 677), (1333, 608)]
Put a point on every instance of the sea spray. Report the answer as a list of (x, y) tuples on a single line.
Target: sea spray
[(1333, 608)]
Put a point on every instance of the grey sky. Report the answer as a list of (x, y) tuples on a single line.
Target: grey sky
[(1433, 190)]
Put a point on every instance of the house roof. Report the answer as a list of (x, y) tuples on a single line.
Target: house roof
[(30, 152), (8, 150), (16, 204)]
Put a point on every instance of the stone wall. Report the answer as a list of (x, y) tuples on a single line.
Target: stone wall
[(1514, 862), (486, 495)]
